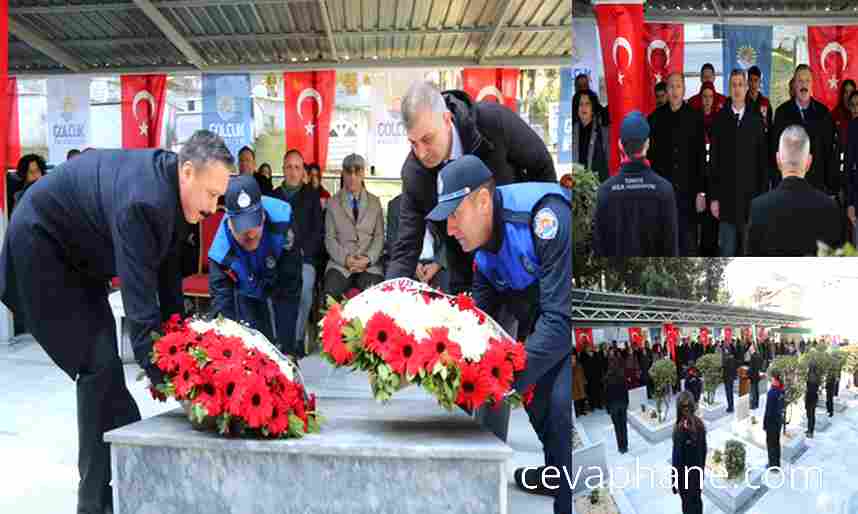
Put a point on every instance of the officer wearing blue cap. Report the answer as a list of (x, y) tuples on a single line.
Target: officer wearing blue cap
[(255, 269), (636, 209), (522, 238)]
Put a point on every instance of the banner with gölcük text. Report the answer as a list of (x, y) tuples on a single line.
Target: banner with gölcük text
[(68, 116), (228, 109), (564, 139)]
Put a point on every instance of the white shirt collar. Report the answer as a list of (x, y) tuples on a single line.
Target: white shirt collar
[(740, 113), (456, 150)]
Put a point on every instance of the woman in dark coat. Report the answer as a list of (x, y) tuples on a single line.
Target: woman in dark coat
[(617, 397), (811, 397), (590, 135), (689, 454)]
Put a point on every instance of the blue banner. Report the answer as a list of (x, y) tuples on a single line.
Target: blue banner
[(564, 122), (228, 109), (746, 46)]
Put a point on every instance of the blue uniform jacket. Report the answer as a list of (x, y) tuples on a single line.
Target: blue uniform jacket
[(773, 418), (112, 213), (270, 271), (528, 266)]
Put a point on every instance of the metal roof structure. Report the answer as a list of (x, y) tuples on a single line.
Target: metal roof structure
[(135, 36), (598, 308), (743, 12)]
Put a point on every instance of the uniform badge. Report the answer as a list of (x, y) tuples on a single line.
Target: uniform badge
[(528, 265), (290, 240), (243, 200), (545, 224), (270, 262)]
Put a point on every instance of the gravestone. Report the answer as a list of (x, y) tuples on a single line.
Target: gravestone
[(742, 406), (637, 396)]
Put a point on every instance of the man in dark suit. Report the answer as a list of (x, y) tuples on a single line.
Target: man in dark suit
[(739, 160), (107, 213), (728, 371), (816, 119), (677, 153), (791, 219)]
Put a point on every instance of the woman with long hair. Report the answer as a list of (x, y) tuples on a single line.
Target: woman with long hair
[(811, 397), (590, 135), (689, 454), (617, 398)]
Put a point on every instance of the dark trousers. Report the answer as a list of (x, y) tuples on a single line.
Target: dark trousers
[(810, 407), (619, 417), (550, 415), (282, 310), (829, 400), (69, 316), (755, 394), (337, 284), (773, 445), (686, 220), (692, 502), (728, 389), (649, 386)]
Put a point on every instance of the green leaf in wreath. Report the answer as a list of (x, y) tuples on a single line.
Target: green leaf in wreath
[(198, 413)]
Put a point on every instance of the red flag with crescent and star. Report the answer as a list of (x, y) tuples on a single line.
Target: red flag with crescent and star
[(621, 32), (583, 339), (143, 101), (704, 336), (636, 337), (671, 336), (498, 84), (728, 335), (833, 55), (309, 102), (664, 47)]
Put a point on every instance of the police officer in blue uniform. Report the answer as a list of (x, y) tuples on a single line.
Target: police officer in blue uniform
[(255, 265), (635, 210), (107, 213), (521, 235)]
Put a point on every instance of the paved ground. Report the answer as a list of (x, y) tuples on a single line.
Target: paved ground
[(834, 451), (38, 430)]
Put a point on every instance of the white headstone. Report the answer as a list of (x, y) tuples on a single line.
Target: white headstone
[(637, 396), (742, 407)]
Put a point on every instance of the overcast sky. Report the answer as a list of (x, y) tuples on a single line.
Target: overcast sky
[(830, 287)]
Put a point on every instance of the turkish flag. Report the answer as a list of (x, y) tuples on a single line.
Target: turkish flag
[(583, 339), (833, 58), (664, 45), (636, 337), (728, 335), (621, 32), (10, 152), (704, 336), (143, 101), (499, 84), (671, 334), (310, 99)]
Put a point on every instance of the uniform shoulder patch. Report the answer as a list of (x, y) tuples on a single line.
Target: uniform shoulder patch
[(545, 224)]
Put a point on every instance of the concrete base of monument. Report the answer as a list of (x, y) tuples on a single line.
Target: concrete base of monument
[(588, 460), (793, 443), (407, 456), (611, 501)]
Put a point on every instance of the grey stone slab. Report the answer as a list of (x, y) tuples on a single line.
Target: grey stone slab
[(587, 461), (732, 497), (653, 434), (637, 397), (741, 408), (713, 412)]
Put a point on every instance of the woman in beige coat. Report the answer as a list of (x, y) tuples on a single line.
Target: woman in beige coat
[(354, 233)]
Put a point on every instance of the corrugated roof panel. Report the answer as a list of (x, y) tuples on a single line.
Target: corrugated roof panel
[(438, 14), (456, 13), (562, 10), (475, 13)]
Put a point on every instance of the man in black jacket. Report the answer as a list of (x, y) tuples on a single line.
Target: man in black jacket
[(739, 159), (816, 119), (756, 366), (728, 371), (790, 220), (107, 213), (308, 227), (677, 153), (443, 127), (635, 210)]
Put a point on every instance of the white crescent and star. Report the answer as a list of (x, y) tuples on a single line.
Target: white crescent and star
[(309, 93), (143, 95), (490, 90), (624, 43), (656, 45), (833, 46)]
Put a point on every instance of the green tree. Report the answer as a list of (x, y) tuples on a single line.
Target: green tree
[(710, 366), (663, 374)]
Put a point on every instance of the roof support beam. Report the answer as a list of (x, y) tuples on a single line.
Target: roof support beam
[(717, 6), (488, 46), (326, 21), (44, 46), (164, 25)]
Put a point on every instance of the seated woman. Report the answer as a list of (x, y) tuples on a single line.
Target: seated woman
[(354, 233)]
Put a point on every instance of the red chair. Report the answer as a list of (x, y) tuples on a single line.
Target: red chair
[(197, 285)]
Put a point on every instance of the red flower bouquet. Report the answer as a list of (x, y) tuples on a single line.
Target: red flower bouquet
[(404, 333), (230, 378)]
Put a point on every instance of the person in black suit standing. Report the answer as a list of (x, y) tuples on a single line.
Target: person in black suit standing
[(791, 219), (816, 119), (739, 157)]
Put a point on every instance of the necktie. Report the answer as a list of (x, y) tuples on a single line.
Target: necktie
[(802, 114), (355, 208), (738, 120)]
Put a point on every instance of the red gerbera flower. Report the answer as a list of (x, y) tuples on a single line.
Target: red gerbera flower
[(465, 302), (474, 387), (404, 355), (498, 369), (332, 328), (187, 376), (341, 353), (229, 382), (169, 350), (439, 348), (209, 395), (517, 354), (254, 399), (262, 365), (227, 352), (380, 330), (174, 324), (279, 421)]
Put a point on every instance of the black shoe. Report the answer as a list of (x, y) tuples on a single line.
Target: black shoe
[(830, 414), (534, 481)]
